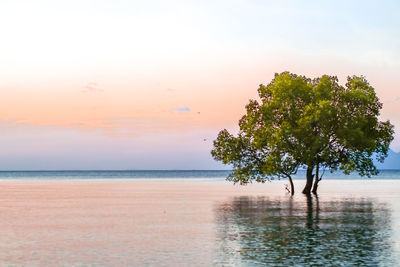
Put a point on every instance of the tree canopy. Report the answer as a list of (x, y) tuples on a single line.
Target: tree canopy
[(300, 122)]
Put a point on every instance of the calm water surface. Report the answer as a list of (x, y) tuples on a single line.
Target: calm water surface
[(195, 222), (307, 232), (163, 174)]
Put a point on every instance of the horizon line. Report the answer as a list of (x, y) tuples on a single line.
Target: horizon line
[(88, 170)]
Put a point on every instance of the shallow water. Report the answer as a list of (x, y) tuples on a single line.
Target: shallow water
[(312, 231), (195, 222)]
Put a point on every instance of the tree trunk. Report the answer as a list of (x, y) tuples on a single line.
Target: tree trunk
[(309, 181), (291, 186), (315, 187), (317, 179)]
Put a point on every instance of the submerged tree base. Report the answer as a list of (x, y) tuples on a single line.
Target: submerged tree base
[(309, 181), (291, 186)]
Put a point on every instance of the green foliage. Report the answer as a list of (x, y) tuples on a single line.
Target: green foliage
[(302, 122)]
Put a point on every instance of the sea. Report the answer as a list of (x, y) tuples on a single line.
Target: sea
[(166, 174), (196, 218)]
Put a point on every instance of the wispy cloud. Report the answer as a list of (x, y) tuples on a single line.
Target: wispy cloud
[(183, 109), (91, 88)]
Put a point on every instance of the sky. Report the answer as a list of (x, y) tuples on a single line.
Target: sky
[(149, 84)]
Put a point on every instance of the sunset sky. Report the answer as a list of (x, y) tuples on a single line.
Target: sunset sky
[(148, 84)]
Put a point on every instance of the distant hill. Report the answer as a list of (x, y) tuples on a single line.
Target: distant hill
[(391, 162)]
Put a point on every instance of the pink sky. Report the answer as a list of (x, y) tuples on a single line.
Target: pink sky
[(132, 85)]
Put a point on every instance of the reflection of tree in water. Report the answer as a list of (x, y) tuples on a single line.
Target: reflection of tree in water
[(308, 231)]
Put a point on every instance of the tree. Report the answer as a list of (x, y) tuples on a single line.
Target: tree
[(306, 123)]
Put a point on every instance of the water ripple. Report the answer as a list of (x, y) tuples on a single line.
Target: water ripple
[(304, 232)]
